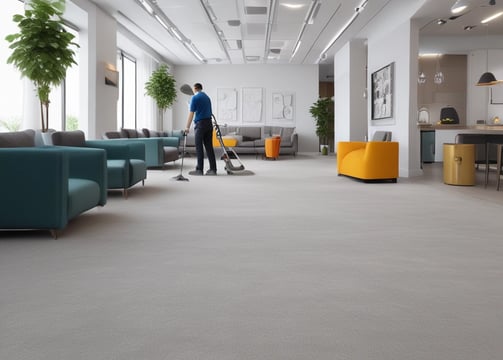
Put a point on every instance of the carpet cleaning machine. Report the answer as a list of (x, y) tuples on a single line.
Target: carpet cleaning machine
[(228, 153)]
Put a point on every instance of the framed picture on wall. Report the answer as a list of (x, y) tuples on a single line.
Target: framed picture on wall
[(497, 94), (382, 92)]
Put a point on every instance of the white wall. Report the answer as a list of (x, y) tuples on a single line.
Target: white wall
[(302, 80), (391, 38), (106, 95), (350, 85), (98, 47)]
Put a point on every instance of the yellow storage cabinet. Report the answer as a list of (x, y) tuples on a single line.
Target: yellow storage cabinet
[(459, 164)]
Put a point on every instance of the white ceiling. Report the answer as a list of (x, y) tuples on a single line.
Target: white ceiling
[(193, 22)]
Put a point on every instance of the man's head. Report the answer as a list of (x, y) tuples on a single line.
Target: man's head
[(198, 87)]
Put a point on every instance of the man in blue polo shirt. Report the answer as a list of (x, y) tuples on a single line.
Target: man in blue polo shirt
[(200, 106)]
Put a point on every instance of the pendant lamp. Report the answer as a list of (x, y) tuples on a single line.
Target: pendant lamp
[(487, 79)]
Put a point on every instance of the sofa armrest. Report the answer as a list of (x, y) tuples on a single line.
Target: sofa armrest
[(119, 151), (295, 141), (171, 141), (345, 147), (88, 163), (33, 188)]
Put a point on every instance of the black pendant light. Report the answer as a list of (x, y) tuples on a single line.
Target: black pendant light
[(487, 79)]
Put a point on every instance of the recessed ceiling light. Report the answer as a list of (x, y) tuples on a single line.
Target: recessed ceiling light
[(430, 55), (469, 27), (293, 6), (441, 21)]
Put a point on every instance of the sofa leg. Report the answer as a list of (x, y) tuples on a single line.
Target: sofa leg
[(125, 193), (143, 182), (54, 233)]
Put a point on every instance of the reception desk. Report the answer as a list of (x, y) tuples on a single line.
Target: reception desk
[(446, 134)]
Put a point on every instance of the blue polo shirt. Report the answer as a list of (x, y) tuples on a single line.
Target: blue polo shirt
[(200, 104)]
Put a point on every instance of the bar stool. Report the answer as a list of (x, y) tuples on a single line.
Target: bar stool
[(499, 149)]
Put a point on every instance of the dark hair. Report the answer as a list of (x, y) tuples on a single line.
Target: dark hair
[(198, 86)]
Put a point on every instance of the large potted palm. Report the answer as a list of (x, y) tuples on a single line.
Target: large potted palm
[(42, 49), (323, 113), (161, 86)]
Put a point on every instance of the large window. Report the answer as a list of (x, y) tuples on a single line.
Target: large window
[(127, 92), (64, 99), (11, 91)]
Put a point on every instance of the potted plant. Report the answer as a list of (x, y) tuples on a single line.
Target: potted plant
[(42, 49), (161, 86), (323, 113)]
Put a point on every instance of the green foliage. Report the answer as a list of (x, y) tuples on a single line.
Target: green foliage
[(72, 123), (323, 113), (42, 48), (161, 86), (13, 124)]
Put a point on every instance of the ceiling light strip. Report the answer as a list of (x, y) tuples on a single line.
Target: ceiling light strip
[(357, 12), (153, 10), (309, 19), (220, 34), (492, 17), (312, 12), (270, 19), (460, 6)]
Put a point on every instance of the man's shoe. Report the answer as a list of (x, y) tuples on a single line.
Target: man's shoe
[(196, 172), (211, 172)]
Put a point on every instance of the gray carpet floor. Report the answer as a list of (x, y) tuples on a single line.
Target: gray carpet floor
[(286, 261)]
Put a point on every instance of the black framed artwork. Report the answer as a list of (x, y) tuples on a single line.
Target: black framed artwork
[(382, 92)]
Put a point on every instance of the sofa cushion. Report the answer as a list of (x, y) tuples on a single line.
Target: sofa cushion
[(69, 138), (131, 133), (269, 131), (112, 135), (152, 133), (250, 133), (24, 138)]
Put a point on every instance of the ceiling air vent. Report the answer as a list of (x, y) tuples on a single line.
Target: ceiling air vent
[(233, 22), (252, 58), (234, 44), (256, 10)]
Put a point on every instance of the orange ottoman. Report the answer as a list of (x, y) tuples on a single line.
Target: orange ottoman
[(272, 145)]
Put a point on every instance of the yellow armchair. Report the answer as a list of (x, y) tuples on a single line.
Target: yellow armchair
[(368, 161), (229, 141)]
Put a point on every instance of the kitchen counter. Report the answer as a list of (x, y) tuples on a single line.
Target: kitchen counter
[(445, 134)]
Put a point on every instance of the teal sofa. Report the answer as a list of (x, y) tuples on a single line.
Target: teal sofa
[(46, 187), (126, 164), (160, 147)]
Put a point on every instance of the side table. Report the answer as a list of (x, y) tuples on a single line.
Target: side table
[(459, 164), (272, 145)]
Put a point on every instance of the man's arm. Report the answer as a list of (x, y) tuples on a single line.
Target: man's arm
[(189, 122)]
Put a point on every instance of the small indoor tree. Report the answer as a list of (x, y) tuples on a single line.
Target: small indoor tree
[(161, 86), (42, 49), (323, 113)]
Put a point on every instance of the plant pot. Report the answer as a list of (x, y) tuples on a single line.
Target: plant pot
[(324, 149)]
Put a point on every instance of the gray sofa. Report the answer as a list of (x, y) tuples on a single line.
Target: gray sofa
[(251, 139)]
